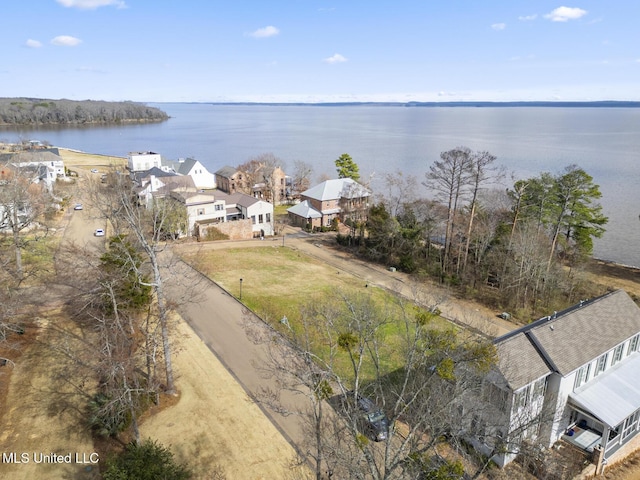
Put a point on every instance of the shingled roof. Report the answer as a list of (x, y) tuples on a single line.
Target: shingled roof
[(565, 341)]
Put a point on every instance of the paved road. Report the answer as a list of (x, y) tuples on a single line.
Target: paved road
[(219, 319)]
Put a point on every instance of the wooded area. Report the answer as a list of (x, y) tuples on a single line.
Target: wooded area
[(33, 111)]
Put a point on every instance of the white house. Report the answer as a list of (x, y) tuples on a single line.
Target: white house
[(201, 207), (202, 178), (572, 376), (260, 212), (41, 165), (141, 161)]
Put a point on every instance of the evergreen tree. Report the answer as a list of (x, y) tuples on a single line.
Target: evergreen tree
[(347, 168)]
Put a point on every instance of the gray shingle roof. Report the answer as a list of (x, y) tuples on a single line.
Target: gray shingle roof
[(568, 340), (226, 172)]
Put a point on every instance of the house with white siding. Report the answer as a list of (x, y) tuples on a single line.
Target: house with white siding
[(572, 376)]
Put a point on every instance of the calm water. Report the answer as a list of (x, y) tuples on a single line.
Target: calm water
[(527, 141)]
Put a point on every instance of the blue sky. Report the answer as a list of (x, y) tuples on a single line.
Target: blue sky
[(321, 50)]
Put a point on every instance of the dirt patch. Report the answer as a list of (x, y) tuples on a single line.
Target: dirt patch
[(614, 276)]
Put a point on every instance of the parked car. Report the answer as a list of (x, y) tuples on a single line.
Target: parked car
[(374, 421), (94, 170), (99, 232), (78, 206)]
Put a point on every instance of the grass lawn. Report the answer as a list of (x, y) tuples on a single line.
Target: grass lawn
[(278, 282)]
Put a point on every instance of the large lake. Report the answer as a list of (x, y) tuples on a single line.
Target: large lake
[(526, 140)]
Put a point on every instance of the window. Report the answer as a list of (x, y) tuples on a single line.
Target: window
[(260, 218), (601, 364), (539, 388), (268, 218), (633, 345), (521, 398), (582, 376), (617, 354), (219, 207), (630, 425)]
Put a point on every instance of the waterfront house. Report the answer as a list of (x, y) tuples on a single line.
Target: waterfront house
[(202, 178), (572, 376), (340, 198), (230, 180), (142, 161), (42, 165)]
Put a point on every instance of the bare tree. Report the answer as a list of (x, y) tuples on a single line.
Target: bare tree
[(449, 177), (265, 177), (301, 178), (339, 351), (147, 228), (23, 200), (482, 171), (400, 190)]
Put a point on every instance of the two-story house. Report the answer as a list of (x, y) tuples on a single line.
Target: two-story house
[(141, 161), (340, 198), (202, 178), (231, 180), (573, 375)]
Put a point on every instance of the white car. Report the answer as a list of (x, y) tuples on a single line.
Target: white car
[(78, 206), (94, 170), (99, 232)]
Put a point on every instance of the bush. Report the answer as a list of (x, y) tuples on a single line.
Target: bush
[(147, 461)]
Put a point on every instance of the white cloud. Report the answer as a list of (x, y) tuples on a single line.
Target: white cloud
[(499, 26), (564, 14), (336, 58), (65, 41), (33, 43), (266, 32), (528, 18), (91, 4)]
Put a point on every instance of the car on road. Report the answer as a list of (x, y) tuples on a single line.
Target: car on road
[(78, 206), (99, 232)]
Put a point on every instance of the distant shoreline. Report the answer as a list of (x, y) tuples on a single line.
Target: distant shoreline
[(558, 104)]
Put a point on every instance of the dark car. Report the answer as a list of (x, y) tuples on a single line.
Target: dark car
[(374, 421)]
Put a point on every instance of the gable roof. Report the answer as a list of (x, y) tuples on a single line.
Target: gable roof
[(30, 156), (567, 340), (335, 189), (185, 167), (226, 172)]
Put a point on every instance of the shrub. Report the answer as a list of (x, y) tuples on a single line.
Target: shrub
[(147, 461)]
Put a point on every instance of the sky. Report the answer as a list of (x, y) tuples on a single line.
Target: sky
[(321, 50)]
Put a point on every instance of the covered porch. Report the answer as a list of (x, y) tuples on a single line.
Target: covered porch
[(605, 413)]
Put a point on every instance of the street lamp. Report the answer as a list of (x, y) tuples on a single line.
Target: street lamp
[(240, 289)]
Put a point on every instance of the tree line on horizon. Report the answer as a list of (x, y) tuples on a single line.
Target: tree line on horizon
[(33, 111)]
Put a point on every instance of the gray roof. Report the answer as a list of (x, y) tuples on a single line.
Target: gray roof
[(613, 395), (226, 172), (185, 167), (567, 340), (155, 171), (335, 189), (31, 156), (519, 362), (305, 210)]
